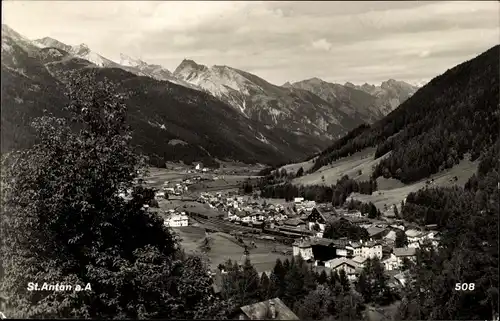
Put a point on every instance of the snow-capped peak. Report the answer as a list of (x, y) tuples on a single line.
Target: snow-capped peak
[(51, 42), (81, 49), (9, 32)]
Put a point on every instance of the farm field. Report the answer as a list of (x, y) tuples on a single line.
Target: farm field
[(223, 247), (190, 206)]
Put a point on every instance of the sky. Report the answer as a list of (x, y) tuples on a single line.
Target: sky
[(279, 41)]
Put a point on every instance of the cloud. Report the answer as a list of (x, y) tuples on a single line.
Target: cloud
[(424, 54), (322, 44), (279, 41)]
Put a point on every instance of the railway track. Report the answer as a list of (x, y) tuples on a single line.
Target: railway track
[(223, 226)]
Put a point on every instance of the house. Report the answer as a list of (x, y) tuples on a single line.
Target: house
[(303, 248), (176, 220), (349, 267), (323, 250), (342, 251), (402, 278), (355, 214), (298, 200), (320, 218), (273, 309), (296, 222), (360, 261), (395, 260), (355, 248), (375, 232), (390, 237), (397, 226), (257, 217), (414, 237), (371, 249), (169, 190), (198, 166)]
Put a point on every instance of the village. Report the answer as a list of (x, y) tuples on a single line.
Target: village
[(299, 225)]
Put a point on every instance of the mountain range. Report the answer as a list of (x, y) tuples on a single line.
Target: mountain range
[(216, 112)]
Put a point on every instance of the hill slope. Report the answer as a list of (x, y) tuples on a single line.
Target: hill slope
[(454, 114)]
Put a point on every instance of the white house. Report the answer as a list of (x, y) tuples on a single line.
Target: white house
[(354, 214), (355, 247), (177, 220), (169, 190), (395, 260), (414, 237), (159, 195), (198, 167), (318, 217), (298, 200), (303, 248), (371, 249)]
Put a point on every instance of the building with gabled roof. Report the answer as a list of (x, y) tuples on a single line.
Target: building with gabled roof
[(273, 309)]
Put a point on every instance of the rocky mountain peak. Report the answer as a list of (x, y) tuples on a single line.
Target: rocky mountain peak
[(81, 49), (188, 64)]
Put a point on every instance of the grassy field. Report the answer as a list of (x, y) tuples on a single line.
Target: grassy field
[(293, 168), (346, 166), (392, 191), (222, 248), (190, 206)]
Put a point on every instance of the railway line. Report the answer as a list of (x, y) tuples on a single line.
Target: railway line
[(223, 226)]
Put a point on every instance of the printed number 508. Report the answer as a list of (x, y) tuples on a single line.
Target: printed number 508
[(465, 286)]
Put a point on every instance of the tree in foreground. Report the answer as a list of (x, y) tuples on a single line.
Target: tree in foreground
[(372, 283), (64, 222)]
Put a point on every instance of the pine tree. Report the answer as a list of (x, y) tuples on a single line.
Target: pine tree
[(344, 281), (248, 284), (265, 287), (322, 277), (401, 239), (396, 212), (372, 283)]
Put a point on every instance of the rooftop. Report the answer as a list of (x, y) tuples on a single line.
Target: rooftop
[(359, 259), (262, 311), (373, 230), (413, 233), (404, 251), (338, 262)]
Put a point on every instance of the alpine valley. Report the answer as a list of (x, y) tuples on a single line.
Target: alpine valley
[(196, 113)]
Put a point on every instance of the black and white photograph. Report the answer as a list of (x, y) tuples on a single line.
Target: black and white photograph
[(250, 160)]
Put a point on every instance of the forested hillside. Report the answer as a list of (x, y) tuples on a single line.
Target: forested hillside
[(455, 114), (468, 218)]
